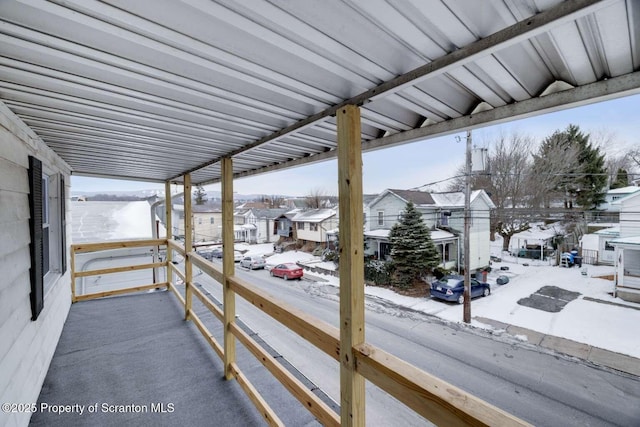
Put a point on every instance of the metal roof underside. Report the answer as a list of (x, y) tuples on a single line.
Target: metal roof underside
[(154, 89)]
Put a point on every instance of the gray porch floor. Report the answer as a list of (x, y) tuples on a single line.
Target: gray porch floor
[(137, 350)]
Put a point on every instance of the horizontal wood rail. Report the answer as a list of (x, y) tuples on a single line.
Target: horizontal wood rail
[(207, 335), (265, 410), (173, 269), (309, 400), (429, 396), (315, 331), (176, 246), (176, 293), (123, 244), (209, 304), (123, 269), (206, 266), (121, 291)]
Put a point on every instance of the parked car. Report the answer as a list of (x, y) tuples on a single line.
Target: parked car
[(287, 271), (451, 288), (252, 262), (216, 253)]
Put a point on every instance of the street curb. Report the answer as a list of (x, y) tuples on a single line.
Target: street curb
[(598, 356)]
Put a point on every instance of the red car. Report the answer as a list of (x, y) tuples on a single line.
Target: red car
[(287, 271)]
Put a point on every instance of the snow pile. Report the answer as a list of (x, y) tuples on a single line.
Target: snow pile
[(134, 221)]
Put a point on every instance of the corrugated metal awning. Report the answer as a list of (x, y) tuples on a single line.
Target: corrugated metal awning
[(151, 90)]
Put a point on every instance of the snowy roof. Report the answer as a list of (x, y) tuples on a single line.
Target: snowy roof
[(613, 231), (380, 233), (635, 240), (441, 235), (624, 190), (626, 198), (456, 199), (314, 215), (436, 235), (414, 196), (269, 213), (541, 232)]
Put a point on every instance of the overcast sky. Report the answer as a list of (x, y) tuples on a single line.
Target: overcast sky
[(413, 165)]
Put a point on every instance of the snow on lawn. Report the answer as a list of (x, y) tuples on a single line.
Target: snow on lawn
[(595, 323)]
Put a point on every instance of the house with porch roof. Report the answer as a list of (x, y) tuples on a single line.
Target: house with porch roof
[(627, 249), (443, 213)]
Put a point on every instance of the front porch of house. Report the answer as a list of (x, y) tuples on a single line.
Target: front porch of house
[(627, 264)]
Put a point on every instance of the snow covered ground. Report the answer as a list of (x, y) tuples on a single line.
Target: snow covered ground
[(598, 324), (610, 327)]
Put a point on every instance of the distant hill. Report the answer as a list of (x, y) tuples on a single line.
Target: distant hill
[(133, 195)]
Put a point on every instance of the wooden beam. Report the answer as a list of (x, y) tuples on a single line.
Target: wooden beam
[(207, 266), (320, 334), (176, 246), (352, 396), (120, 291), (119, 269), (73, 274), (177, 272), (209, 304), (429, 396), (207, 335), (168, 220), (309, 400), (267, 413), (228, 265), (188, 244), (104, 246), (176, 292)]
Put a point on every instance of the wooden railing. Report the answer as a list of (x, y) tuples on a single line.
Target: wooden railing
[(427, 395)]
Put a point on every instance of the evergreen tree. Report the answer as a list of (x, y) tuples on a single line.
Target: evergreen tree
[(412, 250), (199, 194), (567, 165), (622, 179)]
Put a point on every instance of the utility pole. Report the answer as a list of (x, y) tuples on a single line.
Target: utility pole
[(467, 227)]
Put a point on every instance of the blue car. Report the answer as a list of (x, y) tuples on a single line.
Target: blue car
[(451, 288)]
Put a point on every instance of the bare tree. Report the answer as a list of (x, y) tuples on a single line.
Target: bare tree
[(315, 198), (507, 184)]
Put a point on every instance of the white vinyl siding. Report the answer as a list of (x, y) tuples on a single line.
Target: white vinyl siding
[(27, 345)]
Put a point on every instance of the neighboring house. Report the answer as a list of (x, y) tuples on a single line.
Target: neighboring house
[(600, 243), (35, 295), (284, 224), (255, 225), (207, 222), (609, 211), (312, 225), (443, 213), (615, 195), (627, 249)]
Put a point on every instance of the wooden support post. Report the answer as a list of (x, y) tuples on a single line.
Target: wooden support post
[(73, 275), (228, 266), (188, 246), (168, 204), (352, 397)]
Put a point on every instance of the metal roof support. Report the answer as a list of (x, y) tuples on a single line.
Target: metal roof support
[(352, 396), (509, 36), (628, 84), (228, 266)]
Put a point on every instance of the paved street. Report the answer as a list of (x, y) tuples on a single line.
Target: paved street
[(541, 387)]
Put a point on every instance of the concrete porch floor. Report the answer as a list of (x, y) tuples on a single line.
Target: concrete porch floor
[(142, 364)]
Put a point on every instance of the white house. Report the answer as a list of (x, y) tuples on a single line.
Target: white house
[(207, 222), (443, 213), (600, 243), (34, 291), (312, 225), (614, 195), (627, 249)]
